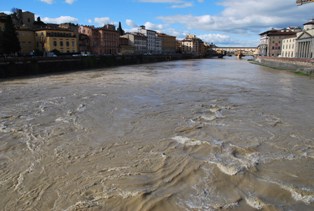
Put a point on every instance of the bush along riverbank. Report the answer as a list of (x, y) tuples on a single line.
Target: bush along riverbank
[(296, 65), (26, 66)]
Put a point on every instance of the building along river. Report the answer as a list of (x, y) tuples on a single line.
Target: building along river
[(183, 135)]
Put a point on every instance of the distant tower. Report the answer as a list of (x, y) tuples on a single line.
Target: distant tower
[(120, 30)]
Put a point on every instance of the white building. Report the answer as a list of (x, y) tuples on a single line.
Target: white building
[(305, 41), (138, 41), (153, 42), (288, 47)]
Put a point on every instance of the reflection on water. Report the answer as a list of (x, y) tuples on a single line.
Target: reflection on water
[(184, 135)]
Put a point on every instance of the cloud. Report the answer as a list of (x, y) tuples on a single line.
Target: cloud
[(102, 21), (6, 12), (155, 27), (131, 23), (47, 1), (242, 20), (215, 38), (69, 1), (175, 3), (182, 5), (59, 20)]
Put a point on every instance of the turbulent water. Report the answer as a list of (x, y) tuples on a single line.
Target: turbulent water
[(184, 135)]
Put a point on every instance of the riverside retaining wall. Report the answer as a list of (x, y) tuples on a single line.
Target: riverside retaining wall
[(13, 67), (305, 66)]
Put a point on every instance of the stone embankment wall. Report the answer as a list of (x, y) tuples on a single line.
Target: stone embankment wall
[(13, 67), (305, 66)]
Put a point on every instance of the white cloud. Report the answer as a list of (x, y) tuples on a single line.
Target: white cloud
[(102, 21), (59, 20), (243, 20), (6, 12), (175, 3), (155, 27), (69, 1), (47, 1), (215, 38), (182, 5), (131, 23)]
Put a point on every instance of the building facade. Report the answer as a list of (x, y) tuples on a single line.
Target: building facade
[(288, 47), (94, 38), (27, 41), (305, 41), (138, 41), (3, 18), (192, 45), (168, 43), (109, 40), (154, 44), (103, 41), (62, 40), (23, 19), (271, 40), (124, 47)]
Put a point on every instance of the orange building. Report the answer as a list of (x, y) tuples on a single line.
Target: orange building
[(168, 43), (104, 40)]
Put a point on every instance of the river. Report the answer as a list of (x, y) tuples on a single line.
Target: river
[(211, 134)]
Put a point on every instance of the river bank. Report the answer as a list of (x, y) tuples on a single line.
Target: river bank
[(15, 67), (296, 65)]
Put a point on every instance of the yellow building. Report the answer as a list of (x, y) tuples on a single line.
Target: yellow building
[(62, 40), (27, 40), (168, 43)]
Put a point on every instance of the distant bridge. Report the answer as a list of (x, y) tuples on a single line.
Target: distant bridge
[(249, 51)]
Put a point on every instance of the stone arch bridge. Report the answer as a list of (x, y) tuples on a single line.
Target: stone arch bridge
[(247, 51)]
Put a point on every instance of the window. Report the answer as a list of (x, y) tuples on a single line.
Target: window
[(54, 43), (67, 43), (61, 43)]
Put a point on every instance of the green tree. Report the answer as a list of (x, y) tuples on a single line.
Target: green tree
[(10, 42)]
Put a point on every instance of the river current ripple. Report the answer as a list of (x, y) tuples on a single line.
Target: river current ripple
[(185, 135)]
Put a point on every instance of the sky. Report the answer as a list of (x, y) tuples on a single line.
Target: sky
[(225, 23)]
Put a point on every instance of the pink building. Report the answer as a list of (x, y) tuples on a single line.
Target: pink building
[(104, 40)]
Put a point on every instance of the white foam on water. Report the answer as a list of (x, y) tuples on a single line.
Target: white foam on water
[(208, 118), (187, 141), (61, 119), (229, 170), (81, 108), (254, 202), (20, 179), (303, 195), (117, 168)]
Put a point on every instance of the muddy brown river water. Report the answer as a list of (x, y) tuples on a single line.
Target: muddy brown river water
[(184, 135)]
